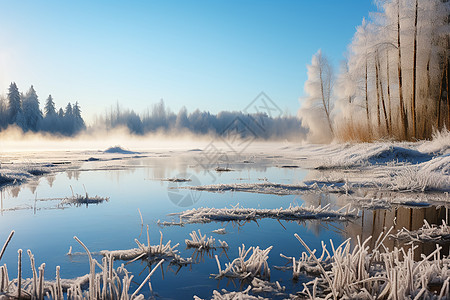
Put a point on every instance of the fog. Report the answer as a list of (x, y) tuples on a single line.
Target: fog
[(13, 139)]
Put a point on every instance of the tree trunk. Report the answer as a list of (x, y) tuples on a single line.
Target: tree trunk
[(441, 90), (382, 93), (448, 94), (367, 104), (324, 102), (404, 121), (413, 100), (378, 95), (388, 91)]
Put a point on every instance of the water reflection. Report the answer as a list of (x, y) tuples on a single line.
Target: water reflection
[(374, 222)]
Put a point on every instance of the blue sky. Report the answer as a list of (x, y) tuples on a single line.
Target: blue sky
[(211, 55)]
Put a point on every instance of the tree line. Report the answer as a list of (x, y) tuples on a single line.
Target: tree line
[(23, 110), (395, 81), (159, 118)]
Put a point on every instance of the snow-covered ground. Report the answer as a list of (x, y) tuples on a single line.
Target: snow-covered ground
[(420, 170)]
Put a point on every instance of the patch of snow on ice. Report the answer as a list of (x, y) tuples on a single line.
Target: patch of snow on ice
[(119, 150)]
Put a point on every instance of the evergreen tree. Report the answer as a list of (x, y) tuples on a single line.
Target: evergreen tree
[(14, 103), (3, 112), (78, 120), (68, 121), (68, 113), (31, 111), (50, 109)]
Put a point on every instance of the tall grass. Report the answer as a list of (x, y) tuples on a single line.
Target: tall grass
[(109, 283)]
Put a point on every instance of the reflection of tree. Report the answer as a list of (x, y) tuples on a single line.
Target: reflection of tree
[(73, 173), (32, 186), (373, 222), (15, 190), (50, 180)]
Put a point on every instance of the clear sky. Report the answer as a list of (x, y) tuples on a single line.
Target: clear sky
[(213, 54)]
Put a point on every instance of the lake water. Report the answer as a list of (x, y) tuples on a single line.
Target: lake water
[(47, 229)]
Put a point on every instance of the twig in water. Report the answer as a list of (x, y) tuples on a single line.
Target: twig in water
[(6, 243)]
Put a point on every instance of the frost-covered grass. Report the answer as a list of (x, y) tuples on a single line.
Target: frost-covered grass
[(226, 295), (201, 242), (84, 199), (433, 175), (377, 273), (236, 213), (109, 283), (246, 266), (386, 200), (427, 233), (276, 188), (256, 286), (151, 253)]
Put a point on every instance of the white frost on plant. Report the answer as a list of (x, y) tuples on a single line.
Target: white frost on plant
[(364, 273), (149, 252), (275, 188), (109, 283), (226, 295), (220, 231), (245, 266), (201, 242), (427, 233), (236, 213)]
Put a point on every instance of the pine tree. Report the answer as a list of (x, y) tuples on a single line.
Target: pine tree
[(31, 111), (78, 120), (68, 113), (14, 103), (50, 109)]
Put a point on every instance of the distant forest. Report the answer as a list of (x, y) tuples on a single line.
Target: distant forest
[(161, 118), (23, 110)]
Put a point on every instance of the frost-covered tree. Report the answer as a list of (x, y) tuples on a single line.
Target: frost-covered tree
[(49, 109), (68, 112), (3, 112), (182, 121), (31, 111), (61, 113), (399, 60), (14, 104), (315, 110), (77, 118)]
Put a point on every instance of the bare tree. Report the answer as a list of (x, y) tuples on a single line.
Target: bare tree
[(413, 101), (316, 106), (326, 83)]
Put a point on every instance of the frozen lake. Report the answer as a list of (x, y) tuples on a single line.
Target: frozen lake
[(136, 183)]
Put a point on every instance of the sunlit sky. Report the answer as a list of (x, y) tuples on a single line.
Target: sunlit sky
[(211, 55)]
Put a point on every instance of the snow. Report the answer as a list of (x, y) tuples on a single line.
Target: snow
[(120, 150)]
